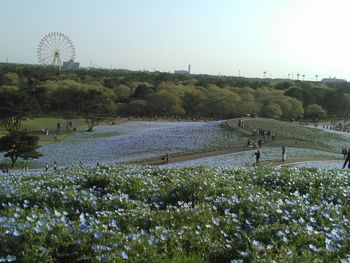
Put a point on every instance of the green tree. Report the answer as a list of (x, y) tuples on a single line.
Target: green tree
[(14, 107), (305, 94), (335, 102), (97, 106), (272, 110), (122, 92), (19, 144), (192, 101), (291, 108), (162, 102), (11, 78), (142, 91), (136, 107), (295, 92), (314, 112)]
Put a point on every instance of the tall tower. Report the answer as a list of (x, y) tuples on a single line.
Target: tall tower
[(189, 69)]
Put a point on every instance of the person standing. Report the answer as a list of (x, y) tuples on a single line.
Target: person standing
[(55, 165), (347, 160), (284, 154), (46, 167), (257, 157), (344, 152)]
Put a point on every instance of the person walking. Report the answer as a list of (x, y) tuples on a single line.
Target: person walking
[(55, 165), (257, 157), (46, 167), (284, 154), (347, 160), (344, 152)]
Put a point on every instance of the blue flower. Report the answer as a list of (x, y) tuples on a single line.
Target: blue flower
[(16, 233), (37, 230), (98, 235), (115, 225), (124, 255), (47, 210), (315, 249), (82, 219), (11, 258)]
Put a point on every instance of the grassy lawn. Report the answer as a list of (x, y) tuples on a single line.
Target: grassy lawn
[(35, 125), (42, 123), (20, 164), (288, 132)]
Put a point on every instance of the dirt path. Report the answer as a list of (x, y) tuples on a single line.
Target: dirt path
[(232, 124), (191, 156)]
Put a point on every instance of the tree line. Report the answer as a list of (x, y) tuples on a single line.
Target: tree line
[(98, 94)]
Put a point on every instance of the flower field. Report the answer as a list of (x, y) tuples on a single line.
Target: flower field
[(137, 140), (333, 164), (198, 214), (247, 158)]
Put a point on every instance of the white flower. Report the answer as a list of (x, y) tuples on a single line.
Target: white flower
[(315, 249)]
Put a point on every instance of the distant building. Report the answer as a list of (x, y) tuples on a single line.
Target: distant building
[(333, 80), (70, 64), (183, 72)]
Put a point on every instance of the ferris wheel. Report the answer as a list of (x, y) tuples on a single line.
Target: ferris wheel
[(54, 49)]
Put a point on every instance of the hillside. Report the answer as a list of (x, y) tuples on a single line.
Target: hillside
[(146, 141), (292, 134)]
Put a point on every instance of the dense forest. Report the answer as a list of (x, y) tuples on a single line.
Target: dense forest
[(28, 89)]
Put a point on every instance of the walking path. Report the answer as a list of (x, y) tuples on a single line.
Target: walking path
[(233, 124), (268, 147)]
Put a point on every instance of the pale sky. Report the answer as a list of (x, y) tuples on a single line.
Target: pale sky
[(225, 36)]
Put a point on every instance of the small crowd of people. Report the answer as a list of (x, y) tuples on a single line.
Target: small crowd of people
[(241, 123), (337, 126), (45, 131), (5, 169), (255, 143), (69, 126), (259, 137), (264, 133), (55, 166), (284, 155), (165, 158)]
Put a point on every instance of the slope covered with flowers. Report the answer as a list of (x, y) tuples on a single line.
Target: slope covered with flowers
[(141, 214), (138, 140)]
